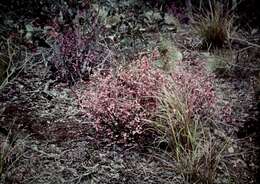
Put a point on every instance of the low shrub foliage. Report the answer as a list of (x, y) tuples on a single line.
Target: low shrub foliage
[(121, 101), (78, 47)]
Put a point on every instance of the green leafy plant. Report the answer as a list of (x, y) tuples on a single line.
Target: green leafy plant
[(214, 26)]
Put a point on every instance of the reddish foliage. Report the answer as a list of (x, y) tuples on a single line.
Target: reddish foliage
[(197, 86), (198, 89), (120, 103), (72, 55), (77, 51)]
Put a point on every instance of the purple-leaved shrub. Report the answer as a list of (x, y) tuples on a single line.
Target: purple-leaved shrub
[(77, 50), (121, 102)]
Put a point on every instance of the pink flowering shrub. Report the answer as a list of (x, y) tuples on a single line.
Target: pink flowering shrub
[(119, 103)]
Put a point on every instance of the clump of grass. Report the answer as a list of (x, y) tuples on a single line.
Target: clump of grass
[(200, 164), (214, 26), (3, 67), (4, 63), (172, 120), (195, 154)]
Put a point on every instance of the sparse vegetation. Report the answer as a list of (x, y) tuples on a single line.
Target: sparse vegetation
[(119, 92)]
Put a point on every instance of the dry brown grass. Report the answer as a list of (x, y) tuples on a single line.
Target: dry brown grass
[(195, 154), (214, 26)]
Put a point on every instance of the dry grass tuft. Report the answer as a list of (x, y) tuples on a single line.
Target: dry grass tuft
[(214, 26), (173, 122), (195, 154)]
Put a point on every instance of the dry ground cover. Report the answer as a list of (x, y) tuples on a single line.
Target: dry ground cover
[(149, 106)]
